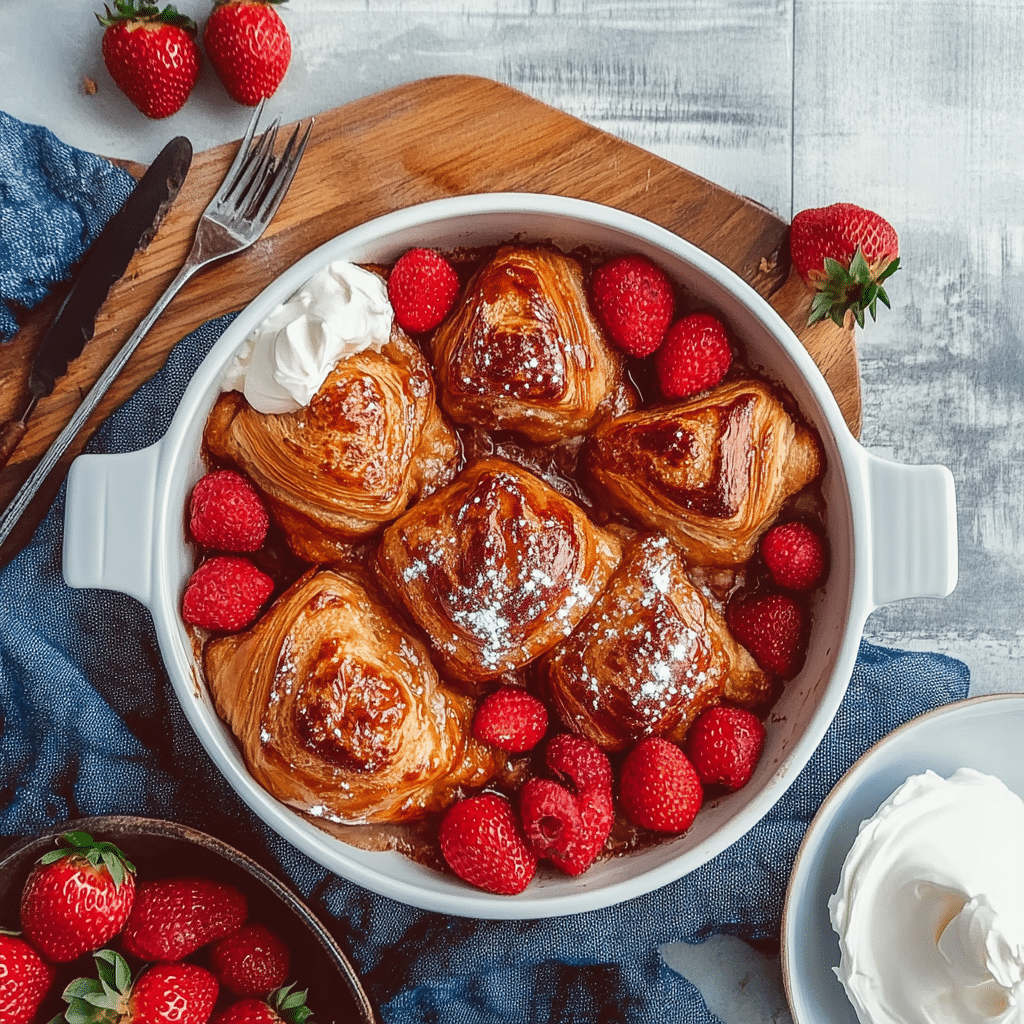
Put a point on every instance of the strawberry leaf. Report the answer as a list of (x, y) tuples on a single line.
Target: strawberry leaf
[(854, 289), (890, 269), (290, 1006), (859, 269)]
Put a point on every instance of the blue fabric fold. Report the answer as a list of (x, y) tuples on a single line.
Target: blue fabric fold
[(54, 201), (91, 726)]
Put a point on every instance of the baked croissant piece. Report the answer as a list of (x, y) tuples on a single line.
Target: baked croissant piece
[(495, 568), (711, 472), (523, 351), (371, 439), (339, 712), (649, 656)]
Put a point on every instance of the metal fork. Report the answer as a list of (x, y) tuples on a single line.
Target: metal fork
[(236, 217)]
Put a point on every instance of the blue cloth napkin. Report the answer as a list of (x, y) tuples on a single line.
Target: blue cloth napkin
[(90, 726)]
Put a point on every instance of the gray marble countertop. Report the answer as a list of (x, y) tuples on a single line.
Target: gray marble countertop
[(909, 108)]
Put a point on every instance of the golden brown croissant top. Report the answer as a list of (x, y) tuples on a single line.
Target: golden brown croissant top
[(496, 568), (649, 656), (711, 472), (340, 713), (523, 351), (369, 441)]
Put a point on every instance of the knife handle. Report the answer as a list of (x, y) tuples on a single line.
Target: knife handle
[(11, 434), (10, 515)]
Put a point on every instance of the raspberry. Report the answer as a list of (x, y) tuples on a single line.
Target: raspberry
[(574, 758), (252, 962), (794, 554), (695, 355), (422, 287), (773, 628), (227, 513), (225, 593), (658, 787), (633, 299), (724, 745), (511, 719), (483, 844), (569, 823), (551, 818)]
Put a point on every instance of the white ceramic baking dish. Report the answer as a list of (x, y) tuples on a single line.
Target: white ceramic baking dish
[(891, 527)]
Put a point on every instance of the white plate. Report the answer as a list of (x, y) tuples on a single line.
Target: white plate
[(981, 732)]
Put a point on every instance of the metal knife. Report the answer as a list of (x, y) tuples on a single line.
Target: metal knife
[(130, 229)]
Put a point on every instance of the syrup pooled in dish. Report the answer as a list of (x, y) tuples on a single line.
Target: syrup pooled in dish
[(479, 510)]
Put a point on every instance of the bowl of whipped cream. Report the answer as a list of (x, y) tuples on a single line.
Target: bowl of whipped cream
[(906, 899)]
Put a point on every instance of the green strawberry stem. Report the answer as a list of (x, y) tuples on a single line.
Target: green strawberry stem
[(288, 1005), (81, 844), (103, 999), (140, 10), (856, 289), (267, 3)]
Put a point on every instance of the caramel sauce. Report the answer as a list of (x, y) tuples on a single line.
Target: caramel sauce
[(533, 369), (350, 713)]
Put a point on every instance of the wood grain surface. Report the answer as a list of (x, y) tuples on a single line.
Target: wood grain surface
[(410, 144)]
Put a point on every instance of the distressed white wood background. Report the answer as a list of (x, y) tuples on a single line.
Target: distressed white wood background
[(910, 107)]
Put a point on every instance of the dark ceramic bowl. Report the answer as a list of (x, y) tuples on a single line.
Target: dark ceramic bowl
[(163, 848)]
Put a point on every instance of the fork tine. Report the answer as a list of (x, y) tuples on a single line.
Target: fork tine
[(243, 152), (254, 170), (281, 182)]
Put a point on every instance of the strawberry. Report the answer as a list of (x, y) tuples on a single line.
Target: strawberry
[(173, 917), (773, 627), (422, 287), (249, 48), (658, 787), (281, 1005), (225, 593), (511, 719), (695, 355), (252, 962), (844, 253), (794, 555), (226, 513), (724, 745), (151, 54), (568, 821), (634, 301), (160, 994), (482, 842), (25, 978), (77, 897)]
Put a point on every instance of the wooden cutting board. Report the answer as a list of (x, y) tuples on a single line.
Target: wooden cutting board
[(425, 140)]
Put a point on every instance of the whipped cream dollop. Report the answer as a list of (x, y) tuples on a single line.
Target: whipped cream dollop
[(930, 906), (341, 310)]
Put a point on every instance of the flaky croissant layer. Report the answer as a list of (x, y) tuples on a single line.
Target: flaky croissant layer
[(339, 711)]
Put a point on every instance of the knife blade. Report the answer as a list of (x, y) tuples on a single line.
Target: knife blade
[(130, 229)]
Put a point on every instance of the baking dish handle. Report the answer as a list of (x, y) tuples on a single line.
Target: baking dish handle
[(109, 522), (913, 528)]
